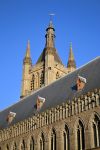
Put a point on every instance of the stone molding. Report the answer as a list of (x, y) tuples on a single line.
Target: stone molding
[(61, 112)]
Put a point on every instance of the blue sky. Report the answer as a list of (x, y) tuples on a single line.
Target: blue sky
[(75, 20)]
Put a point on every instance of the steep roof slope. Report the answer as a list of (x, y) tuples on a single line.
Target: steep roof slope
[(42, 56), (56, 93)]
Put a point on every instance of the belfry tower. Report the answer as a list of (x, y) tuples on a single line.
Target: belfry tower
[(48, 67), (51, 56)]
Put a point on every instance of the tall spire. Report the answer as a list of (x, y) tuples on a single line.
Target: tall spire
[(50, 36), (71, 62), (27, 58), (27, 64)]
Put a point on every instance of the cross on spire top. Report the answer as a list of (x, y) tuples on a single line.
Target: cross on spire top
[(51, 16)]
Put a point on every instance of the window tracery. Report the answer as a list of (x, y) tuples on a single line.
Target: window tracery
[(23, 145), (80, 136), (42, 79), (32, 144), (32, 82), (57, 75), (66, 138), (15, 146), (42, 143), (96, 131), (53, 140)]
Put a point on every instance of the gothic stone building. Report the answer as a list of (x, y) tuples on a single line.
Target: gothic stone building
[(48, 68), (62, 115)]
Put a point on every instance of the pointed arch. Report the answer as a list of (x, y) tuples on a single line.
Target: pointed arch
[(66, 138), (32, 82), (95, 130), (42, 79), (32, 143), (37, 80), (80, 135), (57, 75), (23, 145), (7, 147), (53, 139), (42, 142)]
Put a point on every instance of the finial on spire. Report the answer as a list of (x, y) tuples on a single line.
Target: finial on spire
[(51, 16), (28, 49)]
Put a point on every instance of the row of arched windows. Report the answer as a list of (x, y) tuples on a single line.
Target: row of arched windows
[(37, 81), (79, 133), (96, 131)]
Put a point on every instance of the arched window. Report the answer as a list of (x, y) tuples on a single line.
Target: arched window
[(53, 140), (37, 80), (66, 138), (57, 75), (32, 144), (42, 143), (80, 136), (23, 145), (15, 146), (7, 147), (32, 82), (96, 131), (42, 79)]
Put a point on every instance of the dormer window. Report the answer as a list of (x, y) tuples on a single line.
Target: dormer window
[(11, 116), (40, 102), (80, 82)]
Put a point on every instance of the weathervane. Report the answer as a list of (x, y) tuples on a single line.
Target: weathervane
[(51, 16)]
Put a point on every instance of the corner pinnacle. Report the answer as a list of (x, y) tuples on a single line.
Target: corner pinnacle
[(28, 50), (71, 61)]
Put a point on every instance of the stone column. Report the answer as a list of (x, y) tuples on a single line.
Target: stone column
[(80, 138), (89, 140), (11, 146), (36, 146), (59, 140), (47, 147), (97, 135), (28, 144), (19, 145), (73, 139)]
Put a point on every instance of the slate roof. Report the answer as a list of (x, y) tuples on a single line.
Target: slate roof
[(42, 56), (56, 93)]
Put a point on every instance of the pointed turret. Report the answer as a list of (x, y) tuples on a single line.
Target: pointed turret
[(50, 36), (28, 49), (27, 58), (71, 65), (27, 64)]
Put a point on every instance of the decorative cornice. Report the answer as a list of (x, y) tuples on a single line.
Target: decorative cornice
[(70, 108)]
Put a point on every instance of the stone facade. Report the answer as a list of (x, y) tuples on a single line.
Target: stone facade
[(48, 67), (73, 125)]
